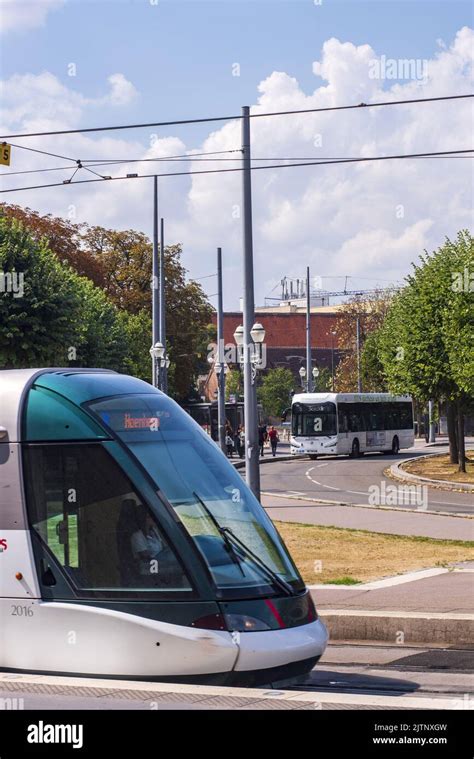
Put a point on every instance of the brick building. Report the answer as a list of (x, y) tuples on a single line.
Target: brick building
[(285, 335)]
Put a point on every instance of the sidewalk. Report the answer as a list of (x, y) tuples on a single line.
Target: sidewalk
[(375, 519), (434, 610)]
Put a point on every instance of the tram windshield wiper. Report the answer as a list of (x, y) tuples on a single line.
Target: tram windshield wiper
[(230, 538), (222, 532)]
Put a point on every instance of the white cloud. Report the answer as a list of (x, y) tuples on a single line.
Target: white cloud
[(40, 102), (122, 91), (368, 221), (25, 14)]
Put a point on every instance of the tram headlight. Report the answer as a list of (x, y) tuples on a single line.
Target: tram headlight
[(245, 623)]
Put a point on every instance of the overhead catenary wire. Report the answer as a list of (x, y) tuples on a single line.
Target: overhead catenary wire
[(43, 152), (211, 160), (253, 168), (185, 157), (178, 122)]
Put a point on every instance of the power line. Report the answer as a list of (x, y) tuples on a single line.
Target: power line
[(185, 157), (444, 153), (182, 156), (233, 118), (43, 152), (182, 160)]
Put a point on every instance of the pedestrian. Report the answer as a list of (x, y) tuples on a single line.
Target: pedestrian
[(274, 439), (242, 439), (262, 437), (238, 441), (229, 445), (229, 439)]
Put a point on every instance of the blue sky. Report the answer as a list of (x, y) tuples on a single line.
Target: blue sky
[(136, 61), (179, 54)]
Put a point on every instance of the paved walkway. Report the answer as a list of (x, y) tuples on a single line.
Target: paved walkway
[(449, 593), (385, 520)]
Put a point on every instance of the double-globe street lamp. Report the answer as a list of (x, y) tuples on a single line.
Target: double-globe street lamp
[(255, 351), (158, 353), (302, 373)]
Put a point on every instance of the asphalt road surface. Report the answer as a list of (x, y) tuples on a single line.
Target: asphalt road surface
[(343, 479)]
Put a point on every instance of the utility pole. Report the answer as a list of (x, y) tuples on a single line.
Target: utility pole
[(432, 428), (155, 293), (359, 381), (220, 356), (309, 376), (252, 468), (332, 360), (164, 370)]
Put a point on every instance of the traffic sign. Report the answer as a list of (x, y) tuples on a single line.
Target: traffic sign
[(5, 152)]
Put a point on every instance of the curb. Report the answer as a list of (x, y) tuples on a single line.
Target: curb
[(399, 473), (403, 627), (379, 507), (241, 464)]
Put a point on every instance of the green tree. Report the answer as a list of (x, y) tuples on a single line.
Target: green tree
[(57, 318), (425, 344), (323, 382), (370, 314), (38, 322), (119, 262), (233, 384), (103, 340), (373, 378), (274, 390), (126, 259)]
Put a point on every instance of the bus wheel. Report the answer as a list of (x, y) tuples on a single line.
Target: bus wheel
[(395, 446), (313, 456), (355, 453)]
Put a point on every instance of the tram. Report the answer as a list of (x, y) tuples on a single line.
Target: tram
[(131, 548)]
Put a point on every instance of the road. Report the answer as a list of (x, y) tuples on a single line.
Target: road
[(343, 479)]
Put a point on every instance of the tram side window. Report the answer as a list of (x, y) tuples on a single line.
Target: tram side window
[(85, 509)]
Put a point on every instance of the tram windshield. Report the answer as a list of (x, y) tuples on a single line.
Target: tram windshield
[(205, 490)]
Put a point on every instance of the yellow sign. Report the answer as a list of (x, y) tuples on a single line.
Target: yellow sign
[(5, 151)]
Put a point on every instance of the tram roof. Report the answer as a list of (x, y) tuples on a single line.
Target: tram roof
[(76, 384)]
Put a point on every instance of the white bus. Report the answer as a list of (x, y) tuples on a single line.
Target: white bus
[(350, 423)]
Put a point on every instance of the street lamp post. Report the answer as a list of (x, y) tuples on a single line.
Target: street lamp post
[(332, 359), (308, 332), (250, 356), (252, 469), (221, 369), (164, 367), (315, 373), (160, 359), (359, 380), (155, 287), (220, 356)]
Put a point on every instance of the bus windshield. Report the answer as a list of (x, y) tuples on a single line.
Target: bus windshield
[(205, 490), (314, 419)]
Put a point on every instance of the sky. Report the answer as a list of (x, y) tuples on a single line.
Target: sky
[(69, 64)]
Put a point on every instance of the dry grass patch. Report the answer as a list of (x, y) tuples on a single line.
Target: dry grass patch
[(440, 468), (333, 554)]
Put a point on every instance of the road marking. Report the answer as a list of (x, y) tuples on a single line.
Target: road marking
[(365, 492)]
